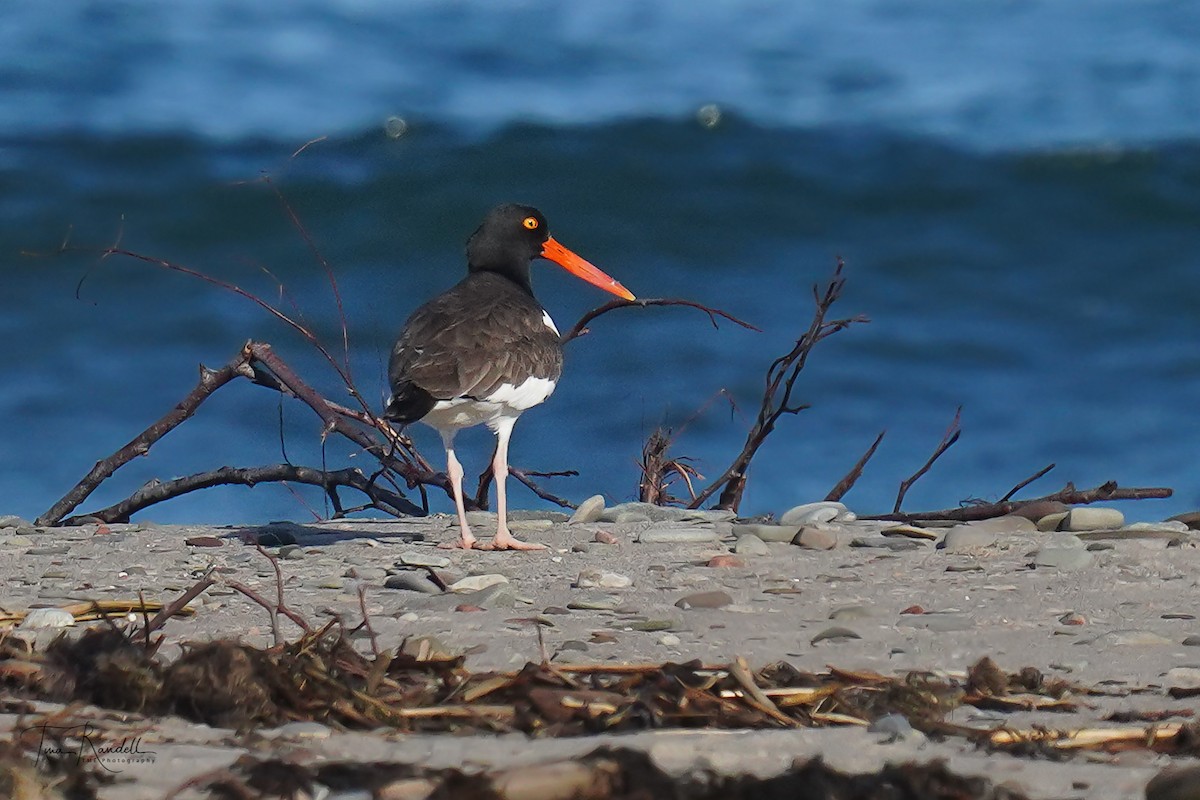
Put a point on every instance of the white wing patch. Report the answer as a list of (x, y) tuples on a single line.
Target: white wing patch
[(531, 392), (549, 324)]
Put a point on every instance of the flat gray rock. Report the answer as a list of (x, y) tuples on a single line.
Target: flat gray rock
[(1092, 518), (412, 581), (750, 545), (767, 533), (1063, 551), (823, 511), (590, 510), (968, 539), (678, 535)]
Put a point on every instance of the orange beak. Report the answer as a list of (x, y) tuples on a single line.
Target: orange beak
[(582, 269)]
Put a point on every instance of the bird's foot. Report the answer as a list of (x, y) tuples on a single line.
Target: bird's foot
[(503, 540), (464, 542)]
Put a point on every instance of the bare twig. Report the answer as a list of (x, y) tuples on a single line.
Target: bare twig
[(210, 381), (279, 606), (948, 439), (580, 327), (1026, 482), (362, 605), (172, 608), (523, 477), (851, 477), (777, 395)]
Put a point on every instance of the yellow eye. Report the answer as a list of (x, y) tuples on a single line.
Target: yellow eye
[(530, 222)]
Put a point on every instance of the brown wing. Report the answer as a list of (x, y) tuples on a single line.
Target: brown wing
[(470, 340)]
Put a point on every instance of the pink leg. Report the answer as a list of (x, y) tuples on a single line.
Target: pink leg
[(455, 472), (503, 539)]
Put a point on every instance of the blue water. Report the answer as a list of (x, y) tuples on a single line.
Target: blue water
[(1015, 188)]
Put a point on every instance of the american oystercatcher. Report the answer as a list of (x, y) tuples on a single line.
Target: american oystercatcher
[(485, 350)]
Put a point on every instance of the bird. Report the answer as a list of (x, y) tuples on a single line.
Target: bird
[(485, 351)]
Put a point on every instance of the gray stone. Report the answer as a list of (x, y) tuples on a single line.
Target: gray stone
[(677, 536), (46, 618), (715, 599), (650, 625), (1091, 518), (894, 727), (530, 525), (473, 583), (421, 558), (589, 510), (597, 579), (1191, 641), (669, 640), (292, 551), (964, 539), (1063, 551), (12, 521), (768, 533), (751, 545), (824, 511), (813, 538), (412, 582)]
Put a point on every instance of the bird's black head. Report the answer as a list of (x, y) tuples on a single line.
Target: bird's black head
[(510, 237)]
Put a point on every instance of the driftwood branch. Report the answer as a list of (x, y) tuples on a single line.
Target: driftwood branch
[(210, 381), (580, 328), (851, 477), (1069, 496), (777, 400), (948, 439), (157, 492)]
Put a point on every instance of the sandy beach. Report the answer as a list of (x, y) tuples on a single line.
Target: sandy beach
[(1109, 611)]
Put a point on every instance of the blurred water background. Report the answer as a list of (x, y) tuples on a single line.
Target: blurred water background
[(1015, 188)]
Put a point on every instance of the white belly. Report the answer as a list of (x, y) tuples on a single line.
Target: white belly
[(507, 402)]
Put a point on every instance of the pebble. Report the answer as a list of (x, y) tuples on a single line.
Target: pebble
[(886, 543), (1175, 783), (1190, 519), (1010, 523), (204, 541), (473, 583), (850, 613), (669, 640), (413, 582), (498, 595), (969, 539), (1130, 638), (367, 573), (677, 536), (824, 511), (834, 634), (768, 533), (52, 550), (292, 551), (589, 511), (1050, 522), (1063, 551), (595, 603), (604, 537), (812, 538), (1191, 641), (751, 545), (650, 625), (1183, 677), (596, 579), (726, 561), (418, 558), (15, 540), (13, 521), (937, 622), (46, 618), (1091, 518), (715, 599), (1035, 511)]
